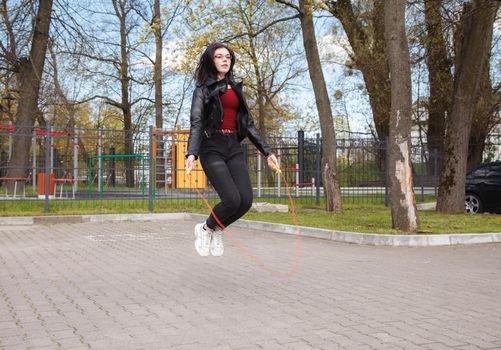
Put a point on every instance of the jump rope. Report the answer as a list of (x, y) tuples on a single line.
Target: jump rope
[(244, 250)]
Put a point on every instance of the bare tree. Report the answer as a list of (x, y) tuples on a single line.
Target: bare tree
[(443, 52), (268, 53), (28, 71), (122, 10), (332, 188), (363, 23), (157, 75), (116, 58), (159, 26), (265, 48), (441, 82), (476, 37), (403, 204), (484, 116), (59, 92)]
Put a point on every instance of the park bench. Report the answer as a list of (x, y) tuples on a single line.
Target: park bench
[(16, 180)]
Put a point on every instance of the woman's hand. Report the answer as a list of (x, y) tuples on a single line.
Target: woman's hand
[(190, 163), (272, 162)]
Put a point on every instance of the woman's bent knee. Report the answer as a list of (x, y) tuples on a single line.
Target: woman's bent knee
[(232, 203), (246, 204)]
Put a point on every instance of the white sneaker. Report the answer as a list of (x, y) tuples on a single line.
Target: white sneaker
[(202, 240), (216, 244)]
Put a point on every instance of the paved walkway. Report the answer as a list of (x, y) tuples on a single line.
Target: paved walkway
[(141, 285)]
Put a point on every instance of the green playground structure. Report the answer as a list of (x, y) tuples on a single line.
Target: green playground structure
[(100, 172)]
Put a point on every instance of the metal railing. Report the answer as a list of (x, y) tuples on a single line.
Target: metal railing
[(144, 171)]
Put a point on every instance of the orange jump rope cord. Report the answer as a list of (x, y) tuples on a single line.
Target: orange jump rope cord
[(245, 251)]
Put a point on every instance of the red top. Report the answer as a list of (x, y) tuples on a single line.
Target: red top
[(230, 103)]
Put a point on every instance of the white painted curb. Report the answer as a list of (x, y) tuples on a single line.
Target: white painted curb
[(333, 235), (367, 238)]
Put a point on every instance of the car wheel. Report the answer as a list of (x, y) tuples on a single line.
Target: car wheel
[(473, 203)]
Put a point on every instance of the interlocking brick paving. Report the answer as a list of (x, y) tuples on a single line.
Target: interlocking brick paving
[(141, 285)]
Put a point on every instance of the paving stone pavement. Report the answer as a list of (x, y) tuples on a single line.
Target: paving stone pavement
[(141, 285)]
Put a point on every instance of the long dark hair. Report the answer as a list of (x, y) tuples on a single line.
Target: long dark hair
[(206, 68)]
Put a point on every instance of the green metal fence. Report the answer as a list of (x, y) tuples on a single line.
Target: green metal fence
[(99, 170)]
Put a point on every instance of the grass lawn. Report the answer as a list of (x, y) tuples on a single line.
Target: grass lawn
[(377, 219), (367, 217)]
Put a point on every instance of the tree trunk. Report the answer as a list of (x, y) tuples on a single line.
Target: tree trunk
[(376, 67), (157, 78), (475, 42), (261, 111), (261, 108), (29, 80), (329, 169), (483, 117), (68, 105), (260, 95), (441, 82), (157, 74), (403, 205), (371, 59), (121, 13)]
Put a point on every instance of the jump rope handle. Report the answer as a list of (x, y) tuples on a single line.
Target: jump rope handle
[(276, 168)]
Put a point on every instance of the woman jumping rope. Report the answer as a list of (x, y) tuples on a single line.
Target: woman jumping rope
[(220, 119)]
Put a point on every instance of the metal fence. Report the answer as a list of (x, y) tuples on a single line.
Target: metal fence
[(110, 169)]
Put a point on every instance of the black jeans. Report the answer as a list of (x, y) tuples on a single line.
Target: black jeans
[(223, 162)]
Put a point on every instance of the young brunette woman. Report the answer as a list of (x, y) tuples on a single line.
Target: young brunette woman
[(220, 120)]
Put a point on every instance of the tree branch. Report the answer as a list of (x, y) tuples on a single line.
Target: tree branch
[(286, 3), (142, 99), (10, 55), (87, 55), (106, 99), (253, 35)]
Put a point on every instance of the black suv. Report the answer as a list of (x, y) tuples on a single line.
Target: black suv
[(483, 188)]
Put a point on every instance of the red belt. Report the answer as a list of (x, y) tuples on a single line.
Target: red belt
[(226, 131)]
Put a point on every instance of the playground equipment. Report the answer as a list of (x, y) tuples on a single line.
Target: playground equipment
[(6, 158), (33, 176), (16, 180), (69, 141), (169, 149), (100, 172), (297, 184), (80, 141), (69, 157), (172, 160), (41, 185)]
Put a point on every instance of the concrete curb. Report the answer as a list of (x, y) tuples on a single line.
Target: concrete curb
[(71, 219), (333, 235), (17, 220), (367, 238)]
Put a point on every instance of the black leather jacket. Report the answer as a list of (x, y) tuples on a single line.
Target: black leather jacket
[(207, 115)]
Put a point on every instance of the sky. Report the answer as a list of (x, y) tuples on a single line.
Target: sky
[(333, 56), (333, 50)]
